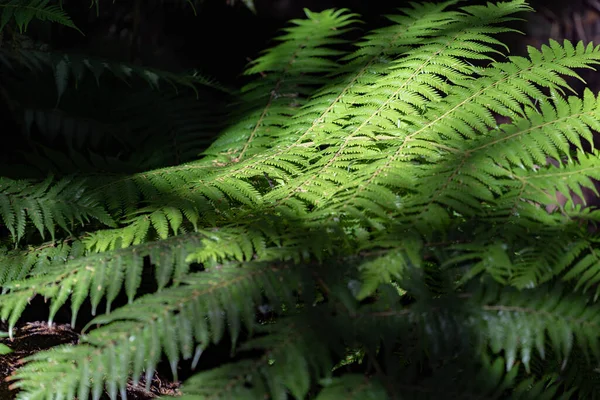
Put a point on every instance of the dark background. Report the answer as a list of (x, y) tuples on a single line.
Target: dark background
[(223, 37)]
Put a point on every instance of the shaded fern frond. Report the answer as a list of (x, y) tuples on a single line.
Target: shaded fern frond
[(285, 368), (539, 318), (18, 264), (74, 67), (76, 280), (153, 129), (24, 11), (47, 204), (352, 387)]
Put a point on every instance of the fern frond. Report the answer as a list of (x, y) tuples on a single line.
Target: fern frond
[(415, 74), (545, 317), (181, 321), (76, 280), (24, 11), (274, 163), (373, 203), (75, 67), (19, 264), (47, 204), (286, 367), (289, 73), (437, 175)]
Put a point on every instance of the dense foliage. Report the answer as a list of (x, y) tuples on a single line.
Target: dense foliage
[(363, 226)]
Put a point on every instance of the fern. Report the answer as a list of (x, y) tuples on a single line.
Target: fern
[(366, 196), (74, 67), (23, 12), (47, 205), (54, 111), (285, 83)]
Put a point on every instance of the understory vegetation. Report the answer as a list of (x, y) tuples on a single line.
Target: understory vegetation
[(396, 217)]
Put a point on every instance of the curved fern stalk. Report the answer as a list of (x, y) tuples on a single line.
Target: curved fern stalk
[(181, 321), (24, 11)]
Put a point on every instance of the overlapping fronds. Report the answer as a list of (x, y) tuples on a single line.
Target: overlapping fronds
[(289, 73), (76, 280), (133, 340), (367, 199)]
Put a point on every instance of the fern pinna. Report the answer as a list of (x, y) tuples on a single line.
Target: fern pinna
[(364, 194)]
